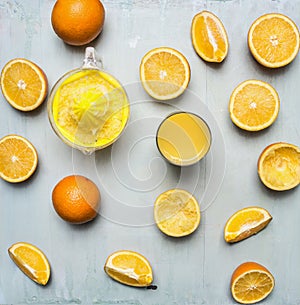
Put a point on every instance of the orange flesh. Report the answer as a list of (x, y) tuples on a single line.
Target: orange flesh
[(251, 282), (17, 158), (129, 268), (281, 167), (274, 39), (254, 105), (208, 37), (245, 223), (32, 262), (22, 84), (177, 213), (164, 72)]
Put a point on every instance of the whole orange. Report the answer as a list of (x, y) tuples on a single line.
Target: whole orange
[(78, 22), (76, 199)]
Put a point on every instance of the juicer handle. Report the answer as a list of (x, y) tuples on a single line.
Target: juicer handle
[(91, 60)]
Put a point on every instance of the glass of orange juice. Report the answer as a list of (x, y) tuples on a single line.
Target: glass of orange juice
[(183, 138), (88, 108)]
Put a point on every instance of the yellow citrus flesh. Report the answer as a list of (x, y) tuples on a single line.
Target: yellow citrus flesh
[(209, 37), (23, 84), (165, 73), (245, 223), (251, 283), (90, 108), (32, 261), (177, 213), (273, 40), (279, 166), (129, 268), (18, 158), (254, 105)]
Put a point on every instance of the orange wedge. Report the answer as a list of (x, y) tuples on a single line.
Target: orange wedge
[(129, 268), (279, 166), (18, 158), (245, 223), (209, 37), (32, 261), (165, 73), (177, 213), (251, 283), (23, 84), (254, 105), (273, 40)]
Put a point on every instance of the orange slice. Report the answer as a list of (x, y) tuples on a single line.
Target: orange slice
[(23, 84), (279, 166), (251, 283), (18, 158), (254, 105), (165, 73), (245, 223), (32, 261), (177, 213), (273, 40), (209, 37), (129, 268)]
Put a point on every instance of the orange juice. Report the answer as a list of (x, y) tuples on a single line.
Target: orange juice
[(183, 138)]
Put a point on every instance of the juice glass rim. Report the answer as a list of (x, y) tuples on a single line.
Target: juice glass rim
[(183, 112)]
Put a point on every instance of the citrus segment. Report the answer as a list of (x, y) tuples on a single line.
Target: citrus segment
[(245, 223), (18, 158), (165, 73), (32, 261), (273, 40), (251, 283), (254, 105), (129, 268), (78, 22), (279, 166), (209, 37), (24, 84), (76, 199), (177, 213)]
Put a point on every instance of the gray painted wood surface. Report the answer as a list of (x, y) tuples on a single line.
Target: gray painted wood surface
[(193, 270)]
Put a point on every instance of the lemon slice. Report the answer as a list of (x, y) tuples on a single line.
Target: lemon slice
[(129, 268), (177, 213)]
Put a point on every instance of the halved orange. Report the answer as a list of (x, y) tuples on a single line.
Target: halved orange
[(245, 223), (209, 37), (165, 73), (23, 84), (32, 261), (177, 213), (129, 268), (254, 105), (18, 158), (251, 283), (279, 166), (273, 40)]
